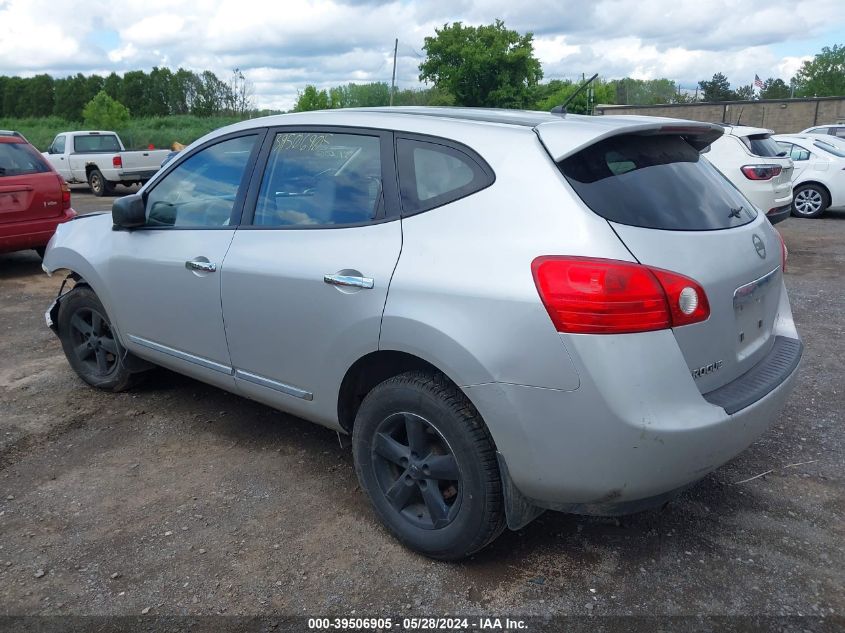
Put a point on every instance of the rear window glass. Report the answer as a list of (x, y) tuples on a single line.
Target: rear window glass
[(96, 143), (656, 182), (762, 145), (830, 149), (19, 158)]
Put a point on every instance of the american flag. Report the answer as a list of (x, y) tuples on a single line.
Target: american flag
[(758, 82)]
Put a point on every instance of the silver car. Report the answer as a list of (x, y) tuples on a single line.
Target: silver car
[(508, 311)]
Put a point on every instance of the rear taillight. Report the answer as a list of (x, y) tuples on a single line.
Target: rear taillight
[(116, 161), (605, 296), (65, 193), (761, 172), (784, 252)]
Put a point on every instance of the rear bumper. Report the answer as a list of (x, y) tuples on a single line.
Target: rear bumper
[(18, 236), (633, 433), (779, 214), (136, 175)]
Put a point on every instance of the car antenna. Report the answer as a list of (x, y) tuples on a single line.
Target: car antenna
[(561, 109)]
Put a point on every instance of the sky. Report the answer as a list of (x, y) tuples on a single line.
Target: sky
[(284, 45)]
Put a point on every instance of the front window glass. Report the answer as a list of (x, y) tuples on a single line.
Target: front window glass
[(320, 179), (201, 191), (59, 144)]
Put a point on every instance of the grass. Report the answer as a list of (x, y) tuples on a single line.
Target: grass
[(141, 132)]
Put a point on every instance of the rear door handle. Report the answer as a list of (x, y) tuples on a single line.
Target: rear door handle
[(206, 267), (349, 281)]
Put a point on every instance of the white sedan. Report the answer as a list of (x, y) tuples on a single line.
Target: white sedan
[(818, 179)]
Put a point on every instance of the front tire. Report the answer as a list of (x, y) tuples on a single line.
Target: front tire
[(428, 464), (809, 201), (89, 342)]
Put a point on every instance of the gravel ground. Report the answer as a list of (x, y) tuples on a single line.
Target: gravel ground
[(180, 499)]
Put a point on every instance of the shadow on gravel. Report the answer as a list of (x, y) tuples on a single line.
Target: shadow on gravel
[(687, 522), (19, 264)]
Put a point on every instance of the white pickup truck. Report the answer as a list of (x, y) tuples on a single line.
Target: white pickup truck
[(100, 159)]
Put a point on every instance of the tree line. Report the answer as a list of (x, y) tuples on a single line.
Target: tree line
[(160, 92)]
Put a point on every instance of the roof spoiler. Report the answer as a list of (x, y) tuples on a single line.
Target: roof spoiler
[(563, 139)]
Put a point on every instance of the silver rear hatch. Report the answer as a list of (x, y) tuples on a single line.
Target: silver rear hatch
[(674, 211)]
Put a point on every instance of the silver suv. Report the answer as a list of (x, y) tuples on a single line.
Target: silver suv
[(508, 311)]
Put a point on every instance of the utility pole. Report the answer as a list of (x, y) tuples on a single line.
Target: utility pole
[(393, 81)]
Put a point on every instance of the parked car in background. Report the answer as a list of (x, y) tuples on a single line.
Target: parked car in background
[(819, 175), (99, 159), (837, 130), (754, 163), (34, 199), (509, 311), (12, 133)]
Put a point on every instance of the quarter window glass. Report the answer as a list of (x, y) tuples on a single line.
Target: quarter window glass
[(320, 179), (59, 144), (838, 131), (431, 175), (201, 191)]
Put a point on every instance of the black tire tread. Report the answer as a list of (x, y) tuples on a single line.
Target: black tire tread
[(124, 379), (445, 390)]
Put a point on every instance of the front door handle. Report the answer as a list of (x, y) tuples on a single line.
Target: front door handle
[(205, 267), (349, 281)]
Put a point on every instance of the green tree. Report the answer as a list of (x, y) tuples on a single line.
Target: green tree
[(70, 97), (597, 92), (487, 66), (38, 96), (775, 89), (113, 85), (157, 92), (824, 75), (12, 106), (311, 99), (744, 93), (717, 89), (133, 92), (631, 91), (104, 113), (423, 97)]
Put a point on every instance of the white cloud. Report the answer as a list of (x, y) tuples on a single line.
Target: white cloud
[(282, 46)]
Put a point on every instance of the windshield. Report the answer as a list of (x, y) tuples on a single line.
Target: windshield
[(657, 182)]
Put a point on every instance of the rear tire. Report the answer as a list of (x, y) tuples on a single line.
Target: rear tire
[(428, 464), (809, 201), (99, 185), (90, 344)]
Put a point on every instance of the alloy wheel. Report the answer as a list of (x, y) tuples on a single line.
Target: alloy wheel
[(93, 341), (417, 471), (808, 201)]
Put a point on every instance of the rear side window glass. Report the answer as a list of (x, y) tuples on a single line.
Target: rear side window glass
[(838, 131), (431, 175), (656, 182), (762, 145), (96, 143), (17, 159)]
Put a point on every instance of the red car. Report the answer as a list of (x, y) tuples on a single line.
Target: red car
[(34, 198)]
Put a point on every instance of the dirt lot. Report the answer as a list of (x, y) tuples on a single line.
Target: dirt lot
[(182, 499)]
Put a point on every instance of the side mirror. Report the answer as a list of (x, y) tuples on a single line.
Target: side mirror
[(128, 212), (50, 150)]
